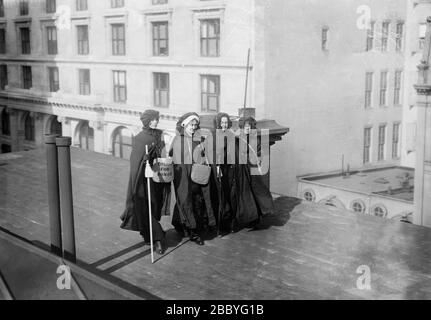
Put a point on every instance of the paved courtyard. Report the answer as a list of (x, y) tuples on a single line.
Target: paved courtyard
[(304, 251)]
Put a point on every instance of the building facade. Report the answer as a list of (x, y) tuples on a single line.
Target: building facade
[(340, 75), (337, 77), (89, 68)]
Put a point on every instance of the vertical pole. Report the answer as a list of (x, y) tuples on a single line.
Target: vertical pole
[(246, 81), (53, 194), (66, 197)]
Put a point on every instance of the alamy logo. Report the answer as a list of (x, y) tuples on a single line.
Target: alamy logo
[(364, 281), (64, 280), (363, 21)]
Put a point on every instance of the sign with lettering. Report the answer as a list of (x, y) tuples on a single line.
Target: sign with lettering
[(163, 171)]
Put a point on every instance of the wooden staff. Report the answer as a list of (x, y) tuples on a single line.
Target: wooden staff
[(149, 175)]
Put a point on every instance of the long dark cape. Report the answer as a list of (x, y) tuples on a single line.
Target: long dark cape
[(135, 215), (191, 209)]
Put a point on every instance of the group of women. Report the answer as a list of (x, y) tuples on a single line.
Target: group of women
[(215, 189)]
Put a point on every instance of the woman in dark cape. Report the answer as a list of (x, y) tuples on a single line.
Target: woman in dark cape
[(194, 208), (135, 216), (254, 199), (225, 173)]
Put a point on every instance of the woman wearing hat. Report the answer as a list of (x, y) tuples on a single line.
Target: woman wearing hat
[(226, 172), (253, 197), (193, 210), (135, 216)]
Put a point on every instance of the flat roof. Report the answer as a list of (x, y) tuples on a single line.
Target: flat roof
[(303, 251), (392, 182)]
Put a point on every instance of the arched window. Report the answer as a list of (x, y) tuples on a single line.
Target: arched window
[(5, 122), (309, 195), (86, 137), (358, 206), (379, 211), (28, 127), (56, 127), (122, 143)]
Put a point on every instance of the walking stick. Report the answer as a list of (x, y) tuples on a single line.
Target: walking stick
[(149, 175)]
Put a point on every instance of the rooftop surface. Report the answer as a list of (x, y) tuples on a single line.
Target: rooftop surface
[(304, 251), (382, 181)]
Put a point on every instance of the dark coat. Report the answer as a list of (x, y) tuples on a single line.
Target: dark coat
[(251, 196), (135, 215), (195, 204)]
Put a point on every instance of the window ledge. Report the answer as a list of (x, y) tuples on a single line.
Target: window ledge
[(80, 16), (213, 6), (158, 10), (22, 19)]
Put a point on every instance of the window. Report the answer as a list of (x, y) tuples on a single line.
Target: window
[(27, 82), (25, 40), (117, 3), (83, 45), (29, 127), (160, 39), (383, 88), (50, 6), (210, 38), (210, 92), (399, 36), (358, 206), (309, 195), (84, 82), (160, 1), (161, 90), (367, 144), (52, 40), (1, 8), (370, 36), (380, 211), (120, 86), (122, 143), (23, 7), (2, 41), (396, 140), (54, 81), (118, 40), (3, 76), (385, 34), (382, 141), (81, 5), (86, 137), (422, 32), (397, 87), (368, 89), (5, 122), (325, 31)]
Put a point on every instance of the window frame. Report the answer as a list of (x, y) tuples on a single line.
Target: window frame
[(118, 87), (206, 96), (369, 79), (155, 26), (118, 43), (367, 144), (54, 79), (205, 39), (381, 154), (84, 84), (158, 90), (82, 38), (52, 44), (26, 77)]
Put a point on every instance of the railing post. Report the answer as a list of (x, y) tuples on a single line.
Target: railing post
[(53, 194), (66, 197)]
